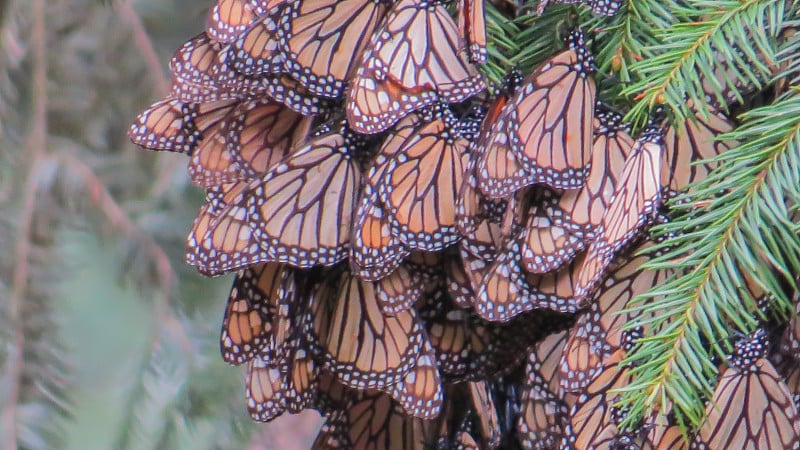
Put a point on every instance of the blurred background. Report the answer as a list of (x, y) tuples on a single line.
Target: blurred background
[(107, 339)]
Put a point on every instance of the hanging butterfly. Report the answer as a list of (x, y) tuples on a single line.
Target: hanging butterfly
[(543, 135), (474, 212), (276, 386), (284, 376), (413, 61), (469, 348), (572, 216), (364, 347), (371, 420), (201, 73), (297, 213), (544, 410), (219, 198), (594, 420), (751, 406), (376, 249), (416, 182), (488, 427), (472, 20), (252, 138), (461, 284), (175, 126), (664, 433), (633, 205), (323, 41), (420, 392), (457, 434), (508, 291), (257, 50), (420, 182), (248, 322), (689, 142), (416, 276), (598, 332)]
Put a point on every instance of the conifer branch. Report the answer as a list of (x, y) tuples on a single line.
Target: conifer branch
[(742, 247), (684, 64)]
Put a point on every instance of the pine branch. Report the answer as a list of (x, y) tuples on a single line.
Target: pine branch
[(685, 62), (628, 37), (741, 246)]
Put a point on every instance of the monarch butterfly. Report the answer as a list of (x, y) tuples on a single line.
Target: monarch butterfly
[(256, 50), (460, 439), (573, 215), (543, 134), (401, 289), (498, 173), (420, 392), (690, 141), (469, 348), (666, 436), (594, 419), (419, 185), (765, 415), (371, 420), (634, 203), (198, 252), (475, 214), (600, 7), (298, 213), (508, 291), (202, 74), (472, 20), (275, 386), (461, 283), (488, 423), (281, 88), (323, 41), (192, 66), (227, 19), (598, 332), (413, 61), (175, 126), (212, 163), (253, 137), (333, 433), (362, 345), (544, 411), (248, 321), (476, 257), (376, 249)]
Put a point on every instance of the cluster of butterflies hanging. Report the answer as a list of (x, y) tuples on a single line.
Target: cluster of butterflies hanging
[(426, 264)]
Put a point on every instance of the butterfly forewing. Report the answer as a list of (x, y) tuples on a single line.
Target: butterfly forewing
[(324, 40)]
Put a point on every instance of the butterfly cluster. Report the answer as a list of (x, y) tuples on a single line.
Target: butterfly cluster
[(426, 264)]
